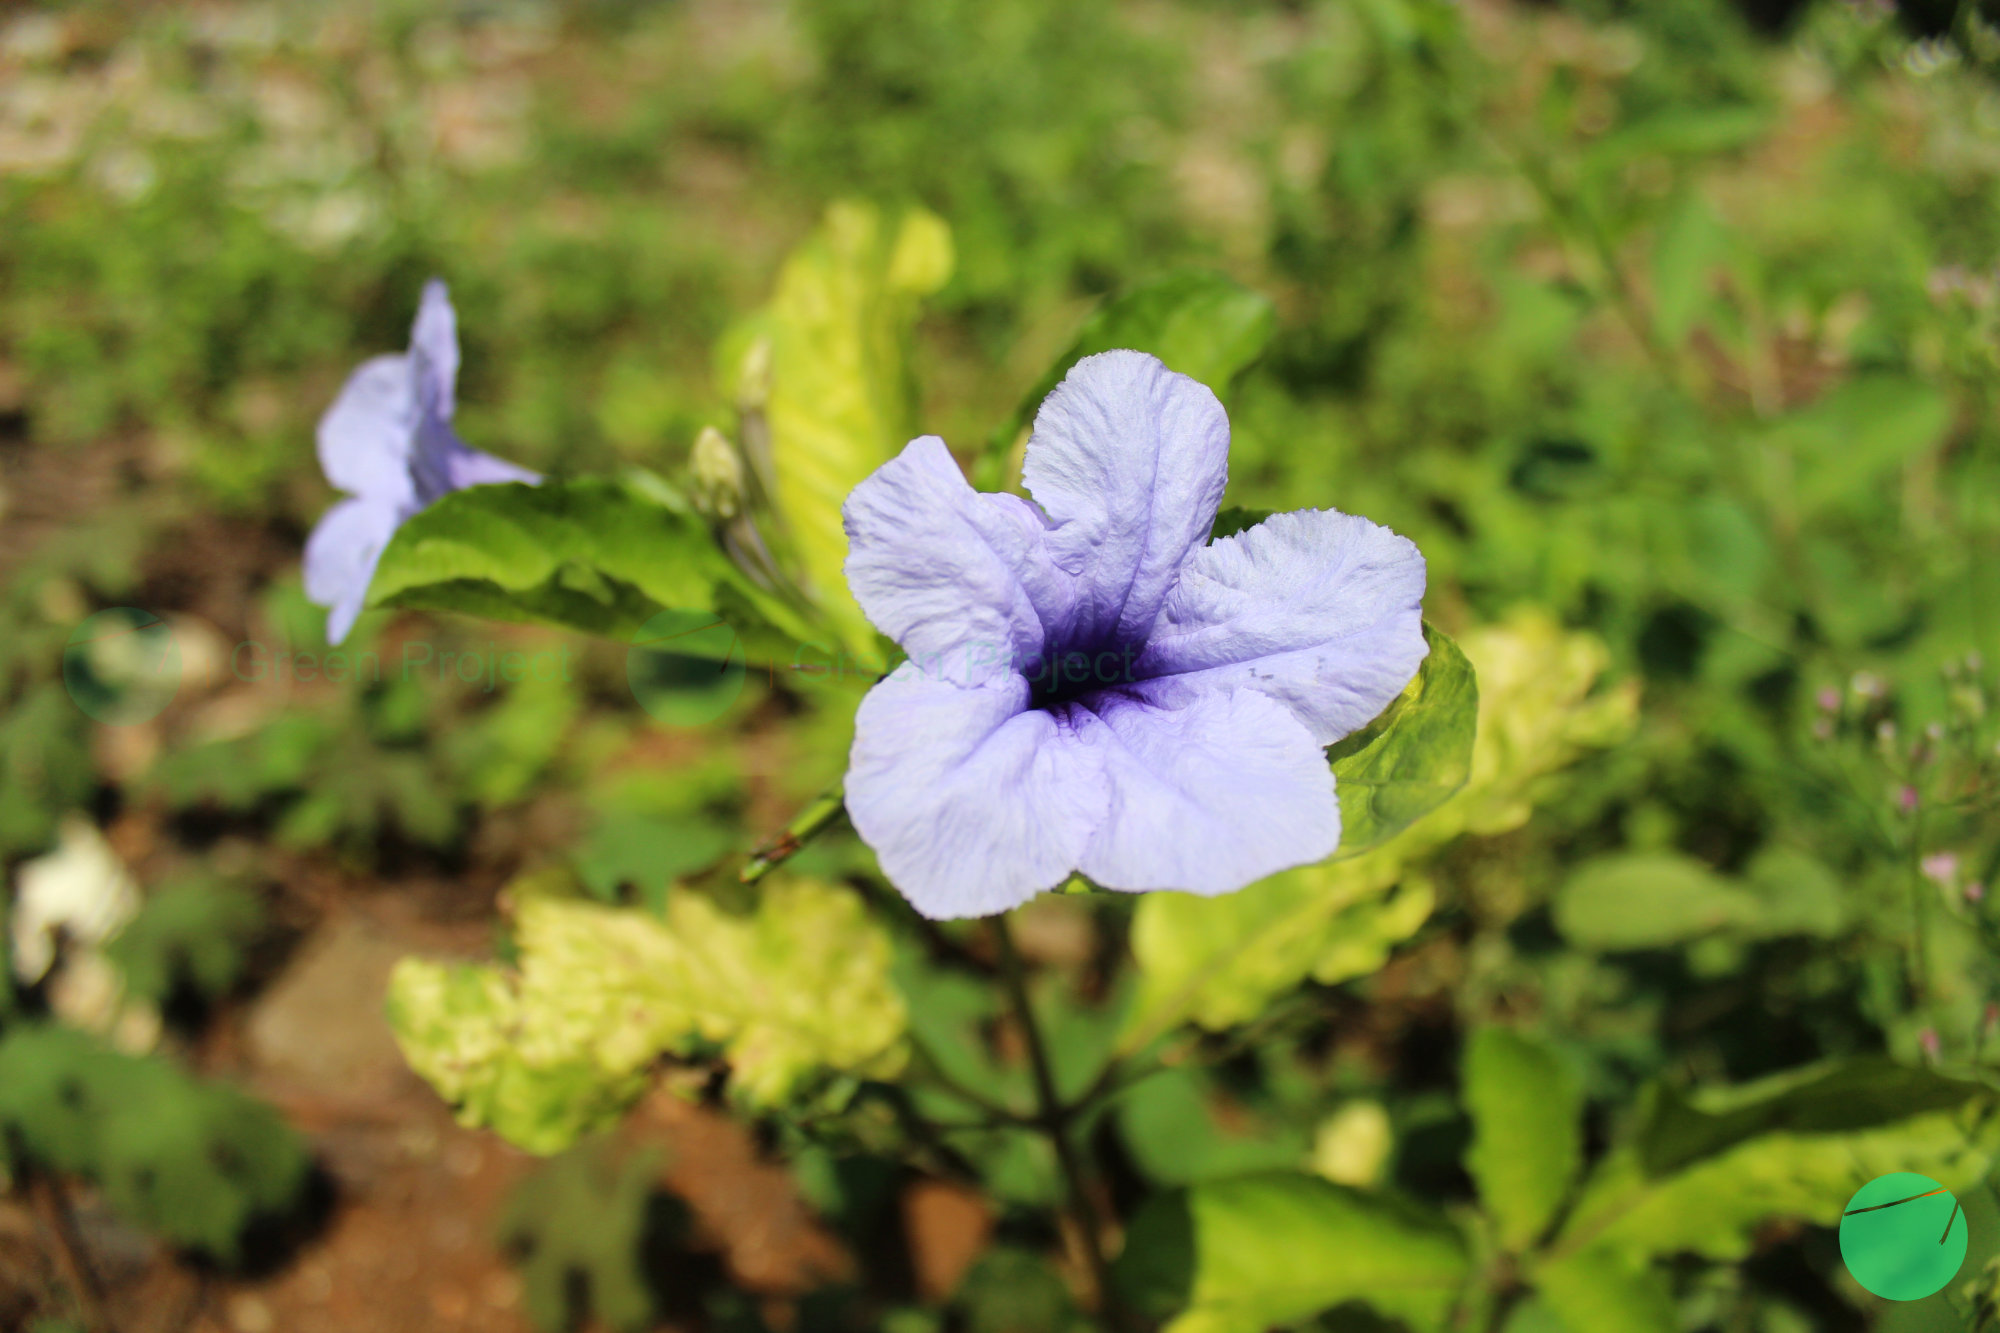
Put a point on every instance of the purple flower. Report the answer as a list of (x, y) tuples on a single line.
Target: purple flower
[(1095, 687), (387, 441)]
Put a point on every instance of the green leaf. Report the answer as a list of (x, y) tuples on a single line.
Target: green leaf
[(827, 364), (1797, 894), (1863, 428), (1234, 519), (562, 1046), (1221, 961), (499, 753), (1246, 1254), (1174, 1137), (1700, 1174), (1601, 1288), (190, 934), (45, 766), (1690, 241), (647, 852), (594, 555), (194, 1161), (1202, 324), (1412, 758), (1645, 900), (586, 1217), (1014, 1291), (1681, 132), (1526, 1108)]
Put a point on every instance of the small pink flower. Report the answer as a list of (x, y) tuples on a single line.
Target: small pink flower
[(1828, 699), (1941, 868), (1928, 1039), (1906, 800), (1975, 892)]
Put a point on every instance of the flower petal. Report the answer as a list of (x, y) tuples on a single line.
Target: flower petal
[(366, 437), (434, 350), (469, 467), (341, 556), (1129, 459), (1320, 610), (972, 802), (958, 578), (1209, 797)]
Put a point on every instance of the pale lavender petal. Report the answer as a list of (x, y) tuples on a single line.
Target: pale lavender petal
[(1320, 610), (972, 802), (1128, 459), (341, 556), (959, 579), (469, 467), (1209, 797), (366, 437), (434, 351)]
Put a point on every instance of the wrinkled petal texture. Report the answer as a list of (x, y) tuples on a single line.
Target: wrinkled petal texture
[(959, 579), (365, 438), (1128, 459), (1319, 610), (1204, 772), (341, 556), (1209, 797), (972, 802)]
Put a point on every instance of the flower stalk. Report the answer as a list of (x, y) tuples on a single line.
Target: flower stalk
[(1056, 1118)]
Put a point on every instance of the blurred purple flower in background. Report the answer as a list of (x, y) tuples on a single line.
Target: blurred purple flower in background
[(387, 441), (1095, 687)]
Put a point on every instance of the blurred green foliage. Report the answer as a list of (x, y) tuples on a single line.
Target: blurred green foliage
[(1671, 343), (193, 1161)]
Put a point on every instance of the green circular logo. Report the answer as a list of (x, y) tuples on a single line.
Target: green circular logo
[(122, 666), (685, 667), (1903, 1236)]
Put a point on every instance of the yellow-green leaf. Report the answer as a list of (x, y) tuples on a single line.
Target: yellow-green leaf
[(562, 1045), (1219, 961), (827, 365), (1248, 1254), (1700, 1175), (1414, 757)]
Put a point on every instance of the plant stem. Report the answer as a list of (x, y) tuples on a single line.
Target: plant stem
[(812, 821), (1055, 1122), (52, 1208)]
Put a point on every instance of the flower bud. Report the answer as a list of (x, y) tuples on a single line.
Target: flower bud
[(753, 376), (717, 473)]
